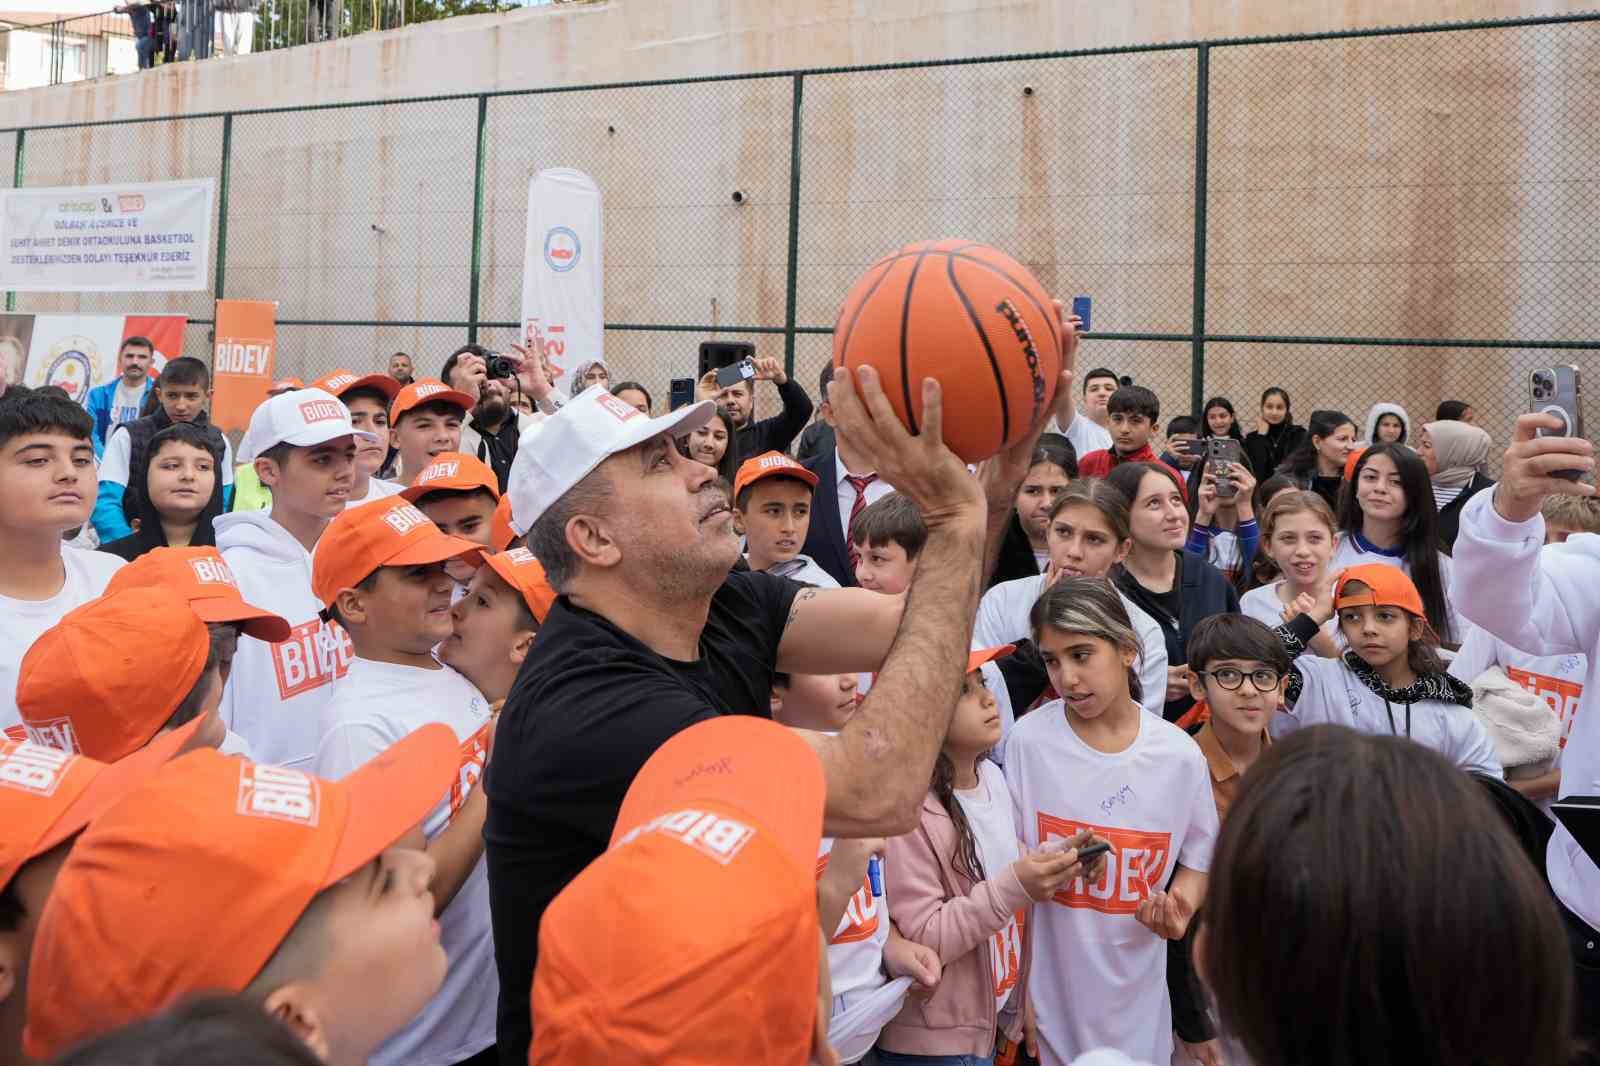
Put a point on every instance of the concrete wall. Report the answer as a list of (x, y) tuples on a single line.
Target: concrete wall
[(1438, 185)]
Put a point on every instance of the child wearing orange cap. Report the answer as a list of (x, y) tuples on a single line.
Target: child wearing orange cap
[(222, 875), (303, 445), (866, 950), (494, 622), (425, 422), (459, 494), (379, 572), (1391, 680), (87, 684), (772, 501), (47, 480), (368, 398), (694, 939), (47, 796), (962, 887)]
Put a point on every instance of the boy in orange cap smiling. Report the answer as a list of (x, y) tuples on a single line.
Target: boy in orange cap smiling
[(379, 571), (719, 829), (425, 420), (47, 796), (281, 887)]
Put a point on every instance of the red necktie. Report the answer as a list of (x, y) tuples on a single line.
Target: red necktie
[(860, 485)]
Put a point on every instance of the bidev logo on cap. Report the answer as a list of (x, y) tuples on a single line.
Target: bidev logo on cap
[(34, 768), (439, 470), (278, 793), (519, 556), (622, 410), (427, 389), (403, 518), (717, 837), (212, 572), (54, 733), (322, 411), (339, 381)]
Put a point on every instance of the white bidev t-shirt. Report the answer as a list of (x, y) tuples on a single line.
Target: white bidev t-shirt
[(1099, 977), (988, 811), (374, 705), (855, 952), (23, 621)]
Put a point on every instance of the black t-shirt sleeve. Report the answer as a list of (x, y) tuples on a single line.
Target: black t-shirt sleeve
[(758, 604)]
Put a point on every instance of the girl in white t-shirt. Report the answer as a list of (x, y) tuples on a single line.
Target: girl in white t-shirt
[(1298, 532), (1093, 761), (1387, 515), (962, 887)]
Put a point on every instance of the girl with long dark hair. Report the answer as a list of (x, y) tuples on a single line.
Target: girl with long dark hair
[(1025, 551), (1276, 436), (1388, 516), (1318, 463)]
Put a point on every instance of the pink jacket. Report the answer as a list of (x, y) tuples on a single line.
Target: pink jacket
[(940, 907)]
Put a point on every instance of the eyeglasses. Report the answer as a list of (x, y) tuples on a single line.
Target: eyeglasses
[(1230, 679)]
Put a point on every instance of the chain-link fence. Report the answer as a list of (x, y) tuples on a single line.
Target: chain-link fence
[(1402, 215)]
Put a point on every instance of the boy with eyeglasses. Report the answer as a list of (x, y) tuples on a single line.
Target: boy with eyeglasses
[(1237, 666)]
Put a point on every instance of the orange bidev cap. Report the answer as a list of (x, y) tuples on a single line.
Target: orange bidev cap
[(385, 532), (453, 472), (979, 656), (500, 532), (107, 677), (48, 795), (1388, 586), (195, 878), (769, 464), (343, 380), (519, 569), (1350, 462), (202, 577), (428, 390), (720, 830)]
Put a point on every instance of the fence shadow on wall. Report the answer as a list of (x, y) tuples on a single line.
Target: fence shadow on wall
[(1400, 214)]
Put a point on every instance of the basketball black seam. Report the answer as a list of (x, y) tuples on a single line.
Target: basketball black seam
[(905, 365), (1049, 318), (844, 345), (988, 349)]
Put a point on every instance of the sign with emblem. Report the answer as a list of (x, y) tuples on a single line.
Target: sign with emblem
[(563, 310)]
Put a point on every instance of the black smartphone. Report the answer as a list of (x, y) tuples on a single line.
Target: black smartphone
[(681, 393), (733, 373), (1222, 452), (714, 355), (1558, 390), (1090, 852)]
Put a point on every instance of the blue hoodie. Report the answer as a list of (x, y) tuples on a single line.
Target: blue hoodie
[(100, 402)]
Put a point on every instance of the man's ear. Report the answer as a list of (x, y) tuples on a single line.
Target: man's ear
[(294, 1005), (591, 540), (10, 963)]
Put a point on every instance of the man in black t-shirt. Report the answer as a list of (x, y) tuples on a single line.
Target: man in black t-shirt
[(652, 633)]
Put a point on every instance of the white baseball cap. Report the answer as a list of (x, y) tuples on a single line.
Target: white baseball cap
[(565, 447), (303, 418)]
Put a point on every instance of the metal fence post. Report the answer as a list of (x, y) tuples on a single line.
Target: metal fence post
[(222, 201), (475, 279), (16, 183), (794, 225), (1202, 109)]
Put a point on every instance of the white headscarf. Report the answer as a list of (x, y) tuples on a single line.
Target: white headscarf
[(1459, 451)]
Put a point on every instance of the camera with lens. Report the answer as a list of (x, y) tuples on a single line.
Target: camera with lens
[(498, 366)]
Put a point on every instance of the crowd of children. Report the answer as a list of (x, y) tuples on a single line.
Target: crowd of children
[(432, 730)]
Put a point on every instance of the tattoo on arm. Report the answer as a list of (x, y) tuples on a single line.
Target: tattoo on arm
[(801, 597)]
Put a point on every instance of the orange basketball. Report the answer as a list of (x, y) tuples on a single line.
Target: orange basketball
[(968, 315)]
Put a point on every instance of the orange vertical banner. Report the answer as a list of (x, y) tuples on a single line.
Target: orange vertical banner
[(246, 350)]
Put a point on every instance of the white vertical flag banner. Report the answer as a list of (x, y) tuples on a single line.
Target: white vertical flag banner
[(138, 237), (563, 307)]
